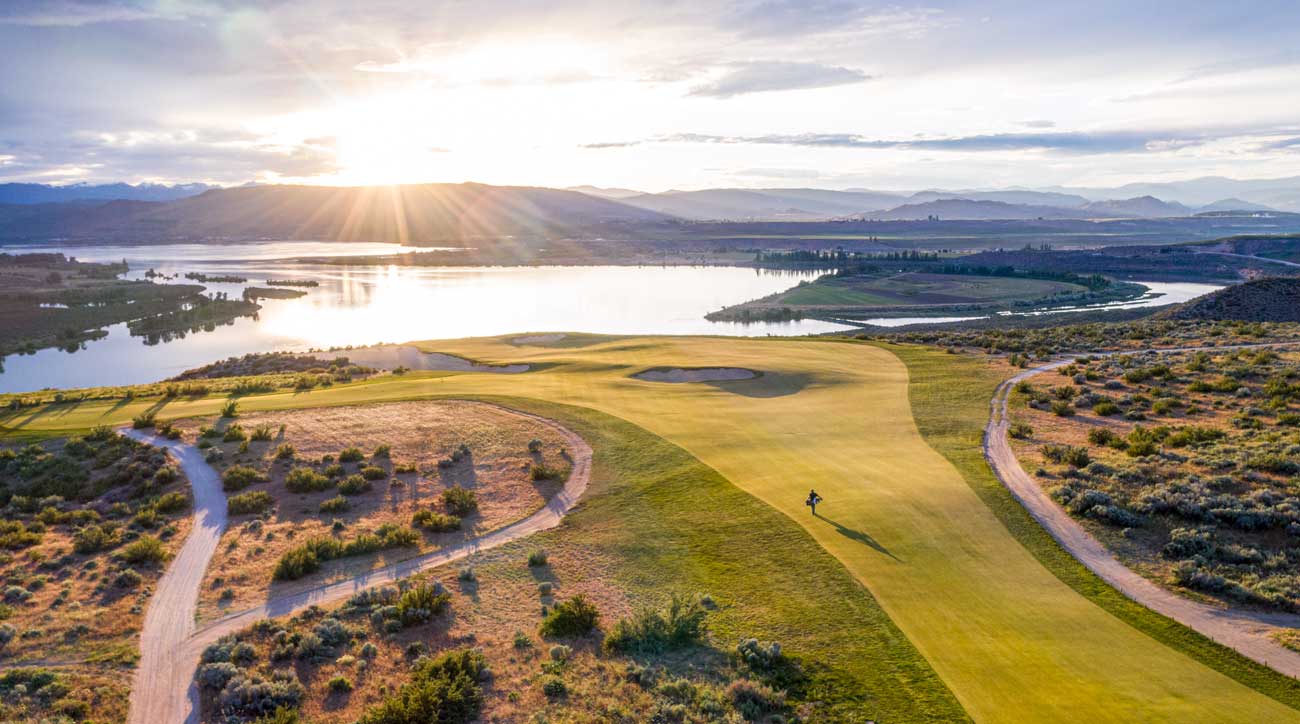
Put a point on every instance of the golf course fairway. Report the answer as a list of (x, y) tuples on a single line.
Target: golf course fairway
[(1011, 640)]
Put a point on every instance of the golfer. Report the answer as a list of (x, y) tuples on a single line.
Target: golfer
[(813, 500)]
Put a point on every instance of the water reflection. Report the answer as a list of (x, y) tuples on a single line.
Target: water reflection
[(374, 304)]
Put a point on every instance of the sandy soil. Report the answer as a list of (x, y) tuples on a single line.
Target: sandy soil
[(1250, 633), (701, 374), (420, 434), (392, 356), (164, 690)]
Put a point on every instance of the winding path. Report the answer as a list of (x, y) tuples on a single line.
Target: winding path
[(1252, 257), (1246, 631), (164, 691)]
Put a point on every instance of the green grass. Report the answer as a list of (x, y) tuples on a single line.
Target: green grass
[(921, 288), (950, 402), (673, 524), (1010, 639)]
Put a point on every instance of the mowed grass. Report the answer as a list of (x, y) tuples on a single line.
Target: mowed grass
[(921, 289), (659, 522), (1010, 639)]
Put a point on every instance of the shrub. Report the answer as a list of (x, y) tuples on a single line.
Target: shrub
[(127, 578), (252, 502), (1105, 408), (1020, 430), (571, 618), (354, 484), (296, 563), (435, 522), (285, 452), (306, 480), (234, 433), (445, 690), (144, 420), (1076, 457), (459, 501), (340, 685), (421, 603), (753, 700), (1102, 437), (1061, 408), (537, 558), (145, 549), (238, 477), (540, 472), (351, 455), (173, 502), (94, 538), (371, 472), (534, 446), (230, 409), (554, 687), (337, 504), (382, 451), (263, 433), (653, 632)]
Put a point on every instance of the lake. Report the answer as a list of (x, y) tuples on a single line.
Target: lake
[(360, 305)]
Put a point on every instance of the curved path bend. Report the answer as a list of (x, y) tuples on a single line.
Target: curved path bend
[(1246, 631), (164, 691)]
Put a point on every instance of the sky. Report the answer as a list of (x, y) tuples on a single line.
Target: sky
[(649, 95)]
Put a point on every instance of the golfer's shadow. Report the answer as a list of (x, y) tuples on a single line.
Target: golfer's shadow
[(858, 536)]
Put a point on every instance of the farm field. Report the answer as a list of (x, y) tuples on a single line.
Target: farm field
[(1011, 640)]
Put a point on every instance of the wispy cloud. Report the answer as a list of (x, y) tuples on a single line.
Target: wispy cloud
[(758, 77), (1067, 142), (72, 13)]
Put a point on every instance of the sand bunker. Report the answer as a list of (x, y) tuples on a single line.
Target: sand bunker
[(392, 356), (538, 339), (698, 374)]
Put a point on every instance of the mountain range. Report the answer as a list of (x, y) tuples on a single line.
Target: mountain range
[(429, 213)]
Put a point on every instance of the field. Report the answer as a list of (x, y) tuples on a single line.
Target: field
[(902, 519), (917, 289), (1182, 463), (85, 530), (412, 476)]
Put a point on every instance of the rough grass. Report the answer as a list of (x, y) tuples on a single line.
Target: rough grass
[(950, 402)]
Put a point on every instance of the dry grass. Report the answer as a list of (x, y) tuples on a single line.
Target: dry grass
[(76, 611), (420, 435), (97, 693), (1140, 546)]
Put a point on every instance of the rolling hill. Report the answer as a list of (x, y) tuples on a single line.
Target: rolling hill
[(1272, 299), (416, 213)]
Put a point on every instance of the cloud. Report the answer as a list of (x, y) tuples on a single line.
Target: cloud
[(72, 13), (759, 77), (1038, 124), (611, 144), (813, 17), (1061, 142)]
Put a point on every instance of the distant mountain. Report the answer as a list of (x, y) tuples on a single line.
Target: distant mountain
[(1144, 207), (1233, 205), (416, 213), (17, 193), (1263, 300), (1010, 196), (970, 210), (763, 204), (1282, 194), (606, 193)]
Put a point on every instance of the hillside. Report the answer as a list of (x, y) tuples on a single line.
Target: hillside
[(423, 213), (1142, 206), (967, 209), (24, 193), (1262, 300), (763, 204)]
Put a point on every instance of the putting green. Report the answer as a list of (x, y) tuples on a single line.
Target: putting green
[(1011, 640)]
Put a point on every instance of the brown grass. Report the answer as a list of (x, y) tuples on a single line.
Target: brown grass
[(421, 434)]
